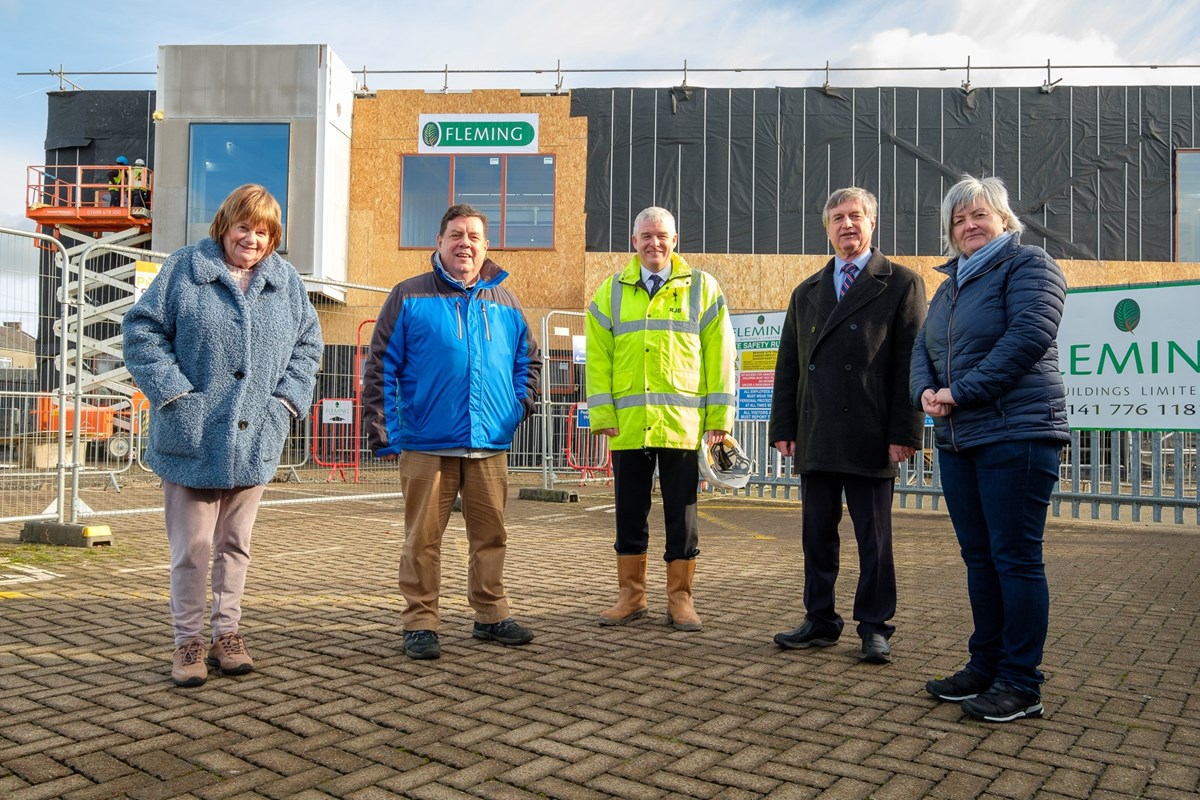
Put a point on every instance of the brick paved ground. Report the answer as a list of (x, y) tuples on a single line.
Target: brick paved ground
[(335, 710)]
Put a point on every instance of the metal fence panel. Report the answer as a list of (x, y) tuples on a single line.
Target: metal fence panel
[(87, 462)]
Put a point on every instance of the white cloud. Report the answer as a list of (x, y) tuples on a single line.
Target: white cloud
[(627, 34)]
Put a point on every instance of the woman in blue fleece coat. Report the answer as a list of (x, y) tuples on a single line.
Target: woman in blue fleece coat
[(985, 367), (225, 345)]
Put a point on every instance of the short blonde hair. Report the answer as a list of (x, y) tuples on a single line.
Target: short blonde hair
[(252, 204)]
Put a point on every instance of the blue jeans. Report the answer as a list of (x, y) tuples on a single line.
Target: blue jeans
[(997, 495)]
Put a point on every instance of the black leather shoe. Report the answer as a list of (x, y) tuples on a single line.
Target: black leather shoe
[(875, 649), (807, 635)]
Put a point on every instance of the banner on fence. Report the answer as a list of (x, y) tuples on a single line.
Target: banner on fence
[(757, 337), (1130, 357)]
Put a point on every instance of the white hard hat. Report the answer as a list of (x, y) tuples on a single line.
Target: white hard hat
[(138, 162), (724, 465)]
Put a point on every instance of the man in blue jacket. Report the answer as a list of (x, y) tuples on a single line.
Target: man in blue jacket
[(453, 370)]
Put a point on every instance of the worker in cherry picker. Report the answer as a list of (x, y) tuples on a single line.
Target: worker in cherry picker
[(139, 186), (116, 180)]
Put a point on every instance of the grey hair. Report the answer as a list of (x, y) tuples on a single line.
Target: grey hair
[(969, 190), (839, 196), (655, 214)]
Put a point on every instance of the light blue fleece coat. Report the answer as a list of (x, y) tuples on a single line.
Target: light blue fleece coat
[(214, 363)]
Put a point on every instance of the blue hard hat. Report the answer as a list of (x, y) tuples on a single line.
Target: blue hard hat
[(122, 160)]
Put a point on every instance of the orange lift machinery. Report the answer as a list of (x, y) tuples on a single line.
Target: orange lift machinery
[(82, 203)]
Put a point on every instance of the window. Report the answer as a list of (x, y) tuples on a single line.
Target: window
[(224, 156), (516, 192), (1187, 204)]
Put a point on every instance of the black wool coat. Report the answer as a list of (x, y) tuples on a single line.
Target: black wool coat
[(841, 381)]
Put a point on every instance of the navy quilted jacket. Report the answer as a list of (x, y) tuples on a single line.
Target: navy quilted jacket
[(992, 341)]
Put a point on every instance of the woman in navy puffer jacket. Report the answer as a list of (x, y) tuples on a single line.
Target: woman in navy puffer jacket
[(985, 367)]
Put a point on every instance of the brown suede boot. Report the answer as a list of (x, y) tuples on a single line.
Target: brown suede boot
[(631, 599), (680, 611)]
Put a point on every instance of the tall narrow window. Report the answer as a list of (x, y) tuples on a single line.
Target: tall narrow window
[(1187, 205), (529, 202), (424, 187), (222, 157), (516, 192)]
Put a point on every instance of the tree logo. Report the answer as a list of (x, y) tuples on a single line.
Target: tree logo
[(430, 134), (1127, 315)]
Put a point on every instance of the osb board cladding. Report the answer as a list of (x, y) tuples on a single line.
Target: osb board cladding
[(386, 128)]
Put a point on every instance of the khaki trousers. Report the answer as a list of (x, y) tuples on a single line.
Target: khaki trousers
[(204, 524), (430, 483)]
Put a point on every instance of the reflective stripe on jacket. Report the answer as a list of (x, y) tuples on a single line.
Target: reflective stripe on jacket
[(660, 369)]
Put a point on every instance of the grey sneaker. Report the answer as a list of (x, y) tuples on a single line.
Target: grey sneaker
[(187, 665), (421, 644), (506, 631)]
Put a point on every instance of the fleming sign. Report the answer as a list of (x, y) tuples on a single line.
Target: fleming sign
[(478, 133), (1130, 357)]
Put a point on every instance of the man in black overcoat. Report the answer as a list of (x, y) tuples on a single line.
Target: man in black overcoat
[(841, 410)]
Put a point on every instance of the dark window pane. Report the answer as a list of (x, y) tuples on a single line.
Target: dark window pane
[(516, 193), (477, 182), (224, 156), (1187, 182), (424, 197), (529, 202)]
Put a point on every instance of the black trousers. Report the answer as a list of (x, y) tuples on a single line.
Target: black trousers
[(678, 478), (869, 501)]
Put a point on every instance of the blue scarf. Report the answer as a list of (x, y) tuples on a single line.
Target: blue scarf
[(968, 267)]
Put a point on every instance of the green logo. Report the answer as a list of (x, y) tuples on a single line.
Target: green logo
[(761, 319), (430, 134), (1127, 315)]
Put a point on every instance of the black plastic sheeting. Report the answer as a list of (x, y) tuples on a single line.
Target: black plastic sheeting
[(94, 127), (1088, 169), (89, 128)]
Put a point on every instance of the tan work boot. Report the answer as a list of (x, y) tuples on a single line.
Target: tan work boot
[(631, 597), (229, 654), (680, 611), (187, 665)]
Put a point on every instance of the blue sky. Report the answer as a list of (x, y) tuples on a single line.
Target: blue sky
[(385, 35)]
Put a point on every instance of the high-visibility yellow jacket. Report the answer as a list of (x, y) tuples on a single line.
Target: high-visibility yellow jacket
[(660, 369)]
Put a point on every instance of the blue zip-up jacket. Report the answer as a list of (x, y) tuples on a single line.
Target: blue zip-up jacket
[(993, 342), (449, 367)]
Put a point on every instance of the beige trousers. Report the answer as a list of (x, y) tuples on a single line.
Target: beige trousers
[(430, 484), (204, 524)]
